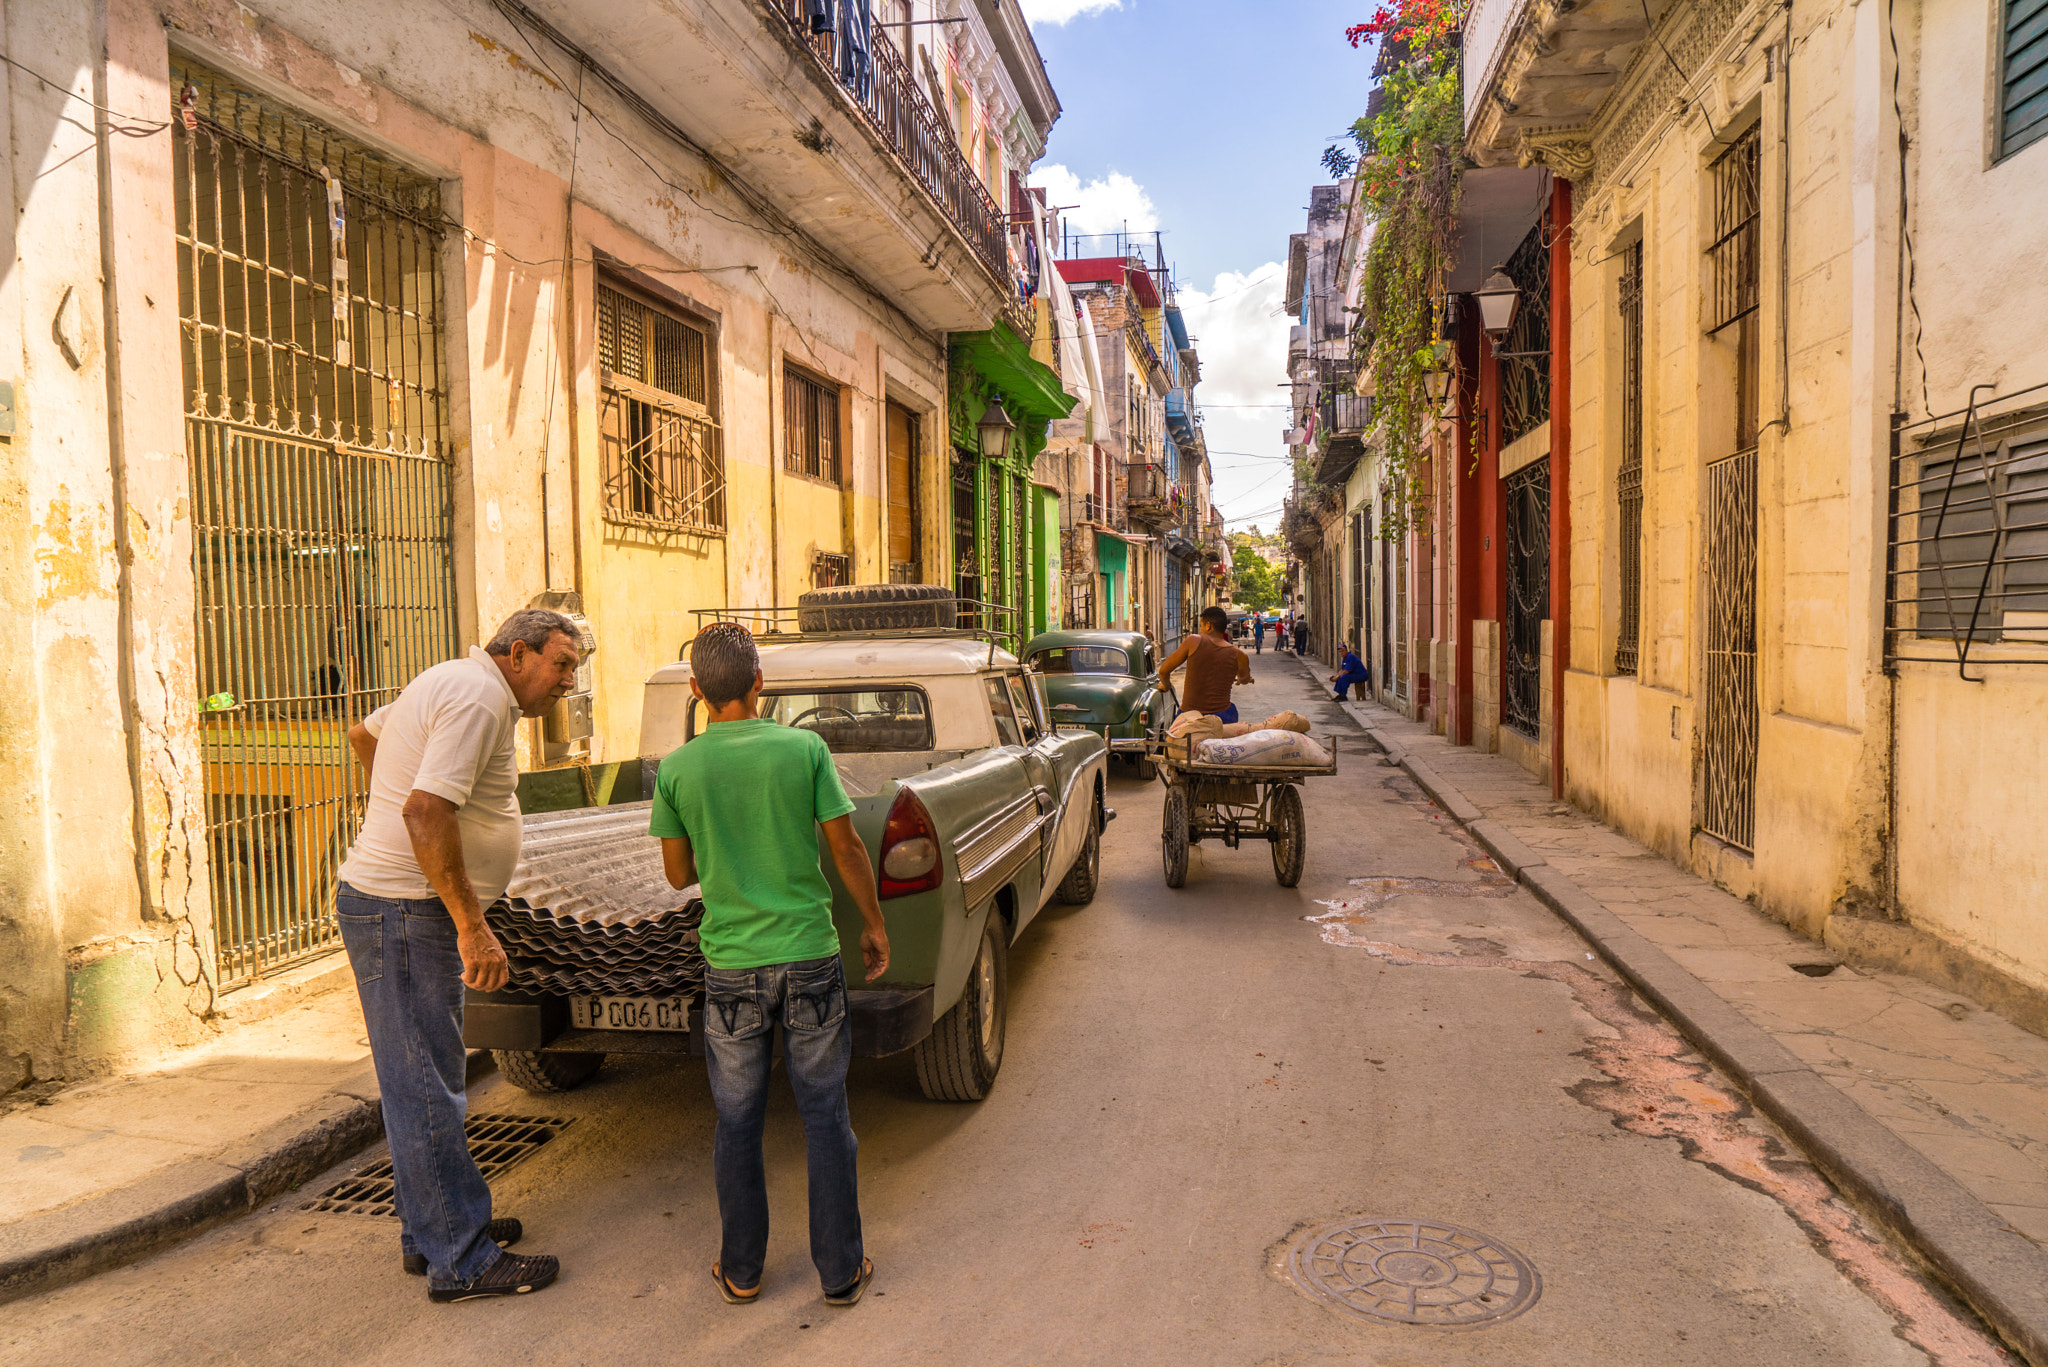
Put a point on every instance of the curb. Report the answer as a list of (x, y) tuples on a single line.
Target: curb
[(1999, 1272), (65, 1245)]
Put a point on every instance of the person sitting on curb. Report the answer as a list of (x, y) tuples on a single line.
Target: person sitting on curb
[(439, 842), (1214, 666), (1353, 672), (742, 804)]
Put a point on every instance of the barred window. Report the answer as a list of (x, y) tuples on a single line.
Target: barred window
[(810, 425), (1733, 260), (663, 467), (1982, 542)]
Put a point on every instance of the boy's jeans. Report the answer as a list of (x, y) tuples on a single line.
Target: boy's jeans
[(409, 977), (808, 999)]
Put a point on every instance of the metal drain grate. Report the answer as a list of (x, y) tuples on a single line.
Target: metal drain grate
[(1419, 1272), (495, 1141)]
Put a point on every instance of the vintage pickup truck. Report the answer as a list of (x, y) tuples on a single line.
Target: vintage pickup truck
[(976, 809)]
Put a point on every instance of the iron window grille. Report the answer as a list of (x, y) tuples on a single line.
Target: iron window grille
[(2023, 74), (1528, 598), (1629, 478), (1733, 263), (1968, 549), (662, 463), (810, 425), (1525, 360), (830, 571), (311, 314)]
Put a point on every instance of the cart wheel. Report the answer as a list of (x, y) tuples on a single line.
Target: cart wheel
[(1173, 835), (1290, 835)]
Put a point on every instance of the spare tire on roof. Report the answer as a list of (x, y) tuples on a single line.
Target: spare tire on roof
[(876, 607)]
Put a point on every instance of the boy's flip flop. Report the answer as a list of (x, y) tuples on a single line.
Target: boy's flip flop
[(852, 1294), (733, 1294)]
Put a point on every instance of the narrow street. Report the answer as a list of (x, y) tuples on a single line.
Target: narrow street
[(1192, 1081)]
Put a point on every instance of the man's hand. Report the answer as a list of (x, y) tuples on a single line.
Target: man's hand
[(874, 952), (484, 966)]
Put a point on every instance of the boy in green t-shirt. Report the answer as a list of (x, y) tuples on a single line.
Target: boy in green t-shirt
[(741, 805)]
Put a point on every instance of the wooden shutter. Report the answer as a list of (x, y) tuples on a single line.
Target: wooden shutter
[(2023, 81)]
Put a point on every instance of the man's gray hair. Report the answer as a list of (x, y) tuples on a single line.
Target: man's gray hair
[(723, 661), (534, 626)]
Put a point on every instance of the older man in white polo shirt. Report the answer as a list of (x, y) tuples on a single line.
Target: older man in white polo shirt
[(438, 845)]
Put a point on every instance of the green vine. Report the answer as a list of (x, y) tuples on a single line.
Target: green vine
[(1407, 180)]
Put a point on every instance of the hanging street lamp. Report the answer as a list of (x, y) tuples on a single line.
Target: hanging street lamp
[(994, 429), (1498, 301)]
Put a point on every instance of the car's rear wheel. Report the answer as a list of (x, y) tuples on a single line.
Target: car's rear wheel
[(1173, 836), (958, 1060), (1077, 889), (546, 1073), (876, 607)]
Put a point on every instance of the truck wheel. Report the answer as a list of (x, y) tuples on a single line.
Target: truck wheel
[(1290, 835), (958, 1060), (876, 607), (545, 1073), (1077, 889), (1173, 836)]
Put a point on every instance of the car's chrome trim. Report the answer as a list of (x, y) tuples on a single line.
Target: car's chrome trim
[(992, 851)]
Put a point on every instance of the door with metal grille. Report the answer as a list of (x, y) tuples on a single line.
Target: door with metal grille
[(1729, 738), (1528, 597), (1629, 478), (310, 303)]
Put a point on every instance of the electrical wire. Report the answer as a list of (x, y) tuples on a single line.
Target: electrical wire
[(139, 127)]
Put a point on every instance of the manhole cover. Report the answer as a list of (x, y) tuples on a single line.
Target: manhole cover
[(495, 1141), (1414, 1272)]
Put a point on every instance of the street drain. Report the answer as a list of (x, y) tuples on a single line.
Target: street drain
[(1419, 1272), (496, 1142)]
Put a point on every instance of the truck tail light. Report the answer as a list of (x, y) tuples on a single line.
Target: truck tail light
[(910, 849)]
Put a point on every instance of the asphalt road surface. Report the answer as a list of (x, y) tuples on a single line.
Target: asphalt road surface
[(1194, 1081)]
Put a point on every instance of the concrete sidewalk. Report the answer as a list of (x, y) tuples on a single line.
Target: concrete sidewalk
[(1933, 1112), (104, 1172)]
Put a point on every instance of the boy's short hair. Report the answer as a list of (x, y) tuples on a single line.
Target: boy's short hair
[(723, 661), (1216, 617)]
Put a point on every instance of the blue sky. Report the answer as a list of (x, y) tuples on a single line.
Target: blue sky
[(1206, 118)]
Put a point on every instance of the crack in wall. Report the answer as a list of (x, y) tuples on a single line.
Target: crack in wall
[(1651, 1089)]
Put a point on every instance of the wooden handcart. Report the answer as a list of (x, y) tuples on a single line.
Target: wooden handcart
[(1233, 803)]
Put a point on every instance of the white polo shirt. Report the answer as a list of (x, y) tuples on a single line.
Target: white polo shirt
[(449, 733)]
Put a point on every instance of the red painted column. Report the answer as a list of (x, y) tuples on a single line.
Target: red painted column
[(1560, 468), (1462, 583)]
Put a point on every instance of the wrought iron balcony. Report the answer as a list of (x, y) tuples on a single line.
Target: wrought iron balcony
[(876, 80), (1152, 496), (1346, 414)]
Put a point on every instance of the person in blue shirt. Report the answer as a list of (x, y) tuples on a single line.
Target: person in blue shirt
[(1259, 634), (1353, 672)]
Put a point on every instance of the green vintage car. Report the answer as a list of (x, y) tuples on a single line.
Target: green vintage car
[(1107, 681)]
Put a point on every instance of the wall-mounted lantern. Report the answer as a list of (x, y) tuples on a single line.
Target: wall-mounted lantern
[(1498, 300), (994, 429)]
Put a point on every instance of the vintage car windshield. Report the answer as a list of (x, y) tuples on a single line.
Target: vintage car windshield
[(851, 721), (1081, 660)]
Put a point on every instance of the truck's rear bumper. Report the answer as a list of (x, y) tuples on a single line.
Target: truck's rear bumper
[(885, 1021)]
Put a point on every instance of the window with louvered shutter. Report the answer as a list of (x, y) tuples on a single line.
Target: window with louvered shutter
[(2023, 75)]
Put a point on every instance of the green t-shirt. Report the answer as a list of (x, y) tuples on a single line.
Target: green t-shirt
[(748, 796)]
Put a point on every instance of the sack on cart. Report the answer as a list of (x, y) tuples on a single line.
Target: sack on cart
[(1268, 747)]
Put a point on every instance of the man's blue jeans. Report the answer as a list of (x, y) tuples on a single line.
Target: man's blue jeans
[(741, 1007), (409, 977)]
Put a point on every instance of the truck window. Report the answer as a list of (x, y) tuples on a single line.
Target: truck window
[(1081, 660), (1026, 718), (851, 721), (1004, 714)]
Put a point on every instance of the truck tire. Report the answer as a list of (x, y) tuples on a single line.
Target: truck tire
[(546, 1073), (1290, 835), (1077, 889), (876, 607), (958, 1060)]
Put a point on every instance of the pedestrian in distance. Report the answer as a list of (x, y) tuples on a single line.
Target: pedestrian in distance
[(1352, 672), (740, 806), (1214, 666), (1301, 638), (1280, 634), (439, 842), (1258, 635)]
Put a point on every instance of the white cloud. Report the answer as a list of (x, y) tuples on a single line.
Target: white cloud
[(1109, 204), (1241, 335), (1059, 11)]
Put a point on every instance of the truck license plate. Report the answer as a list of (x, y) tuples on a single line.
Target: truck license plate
[(630, 1013)]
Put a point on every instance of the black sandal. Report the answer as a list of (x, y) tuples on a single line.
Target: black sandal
[(503, 1232), (852, 1294)]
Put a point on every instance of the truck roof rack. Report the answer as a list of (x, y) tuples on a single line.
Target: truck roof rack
[(777, 625)]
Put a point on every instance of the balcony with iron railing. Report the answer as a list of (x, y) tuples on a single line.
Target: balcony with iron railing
[(1151, 494), (880, 84)]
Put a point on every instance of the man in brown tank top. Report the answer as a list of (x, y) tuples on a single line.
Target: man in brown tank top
[(1214, 666)]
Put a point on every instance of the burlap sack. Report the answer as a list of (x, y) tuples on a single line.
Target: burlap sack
[(1285, 721)]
